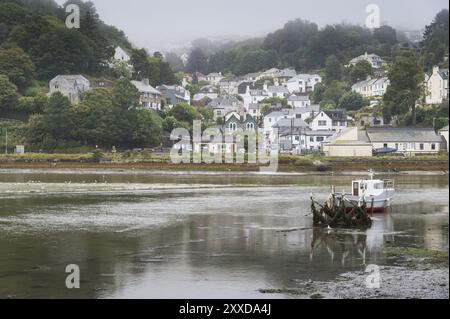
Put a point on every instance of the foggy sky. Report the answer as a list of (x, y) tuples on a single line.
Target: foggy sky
[(160, 25)]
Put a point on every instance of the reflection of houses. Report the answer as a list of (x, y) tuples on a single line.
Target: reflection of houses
[(175, 94), (437, 86), (410, 141), (70, 86), (150, 97), (444, 133)]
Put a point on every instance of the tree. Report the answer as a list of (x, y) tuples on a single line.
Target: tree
[(436, 40), (360, 71), (59, 118), (174, 61), (335, 91), (17, 65), (405, 89), (351, 101), (8, 94), (317, 95), (185, 113), (148, 129), (197, 61), (333, 69), (125, 95), (385, 35)]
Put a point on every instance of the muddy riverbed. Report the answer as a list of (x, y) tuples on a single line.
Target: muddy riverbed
[(214, 235)]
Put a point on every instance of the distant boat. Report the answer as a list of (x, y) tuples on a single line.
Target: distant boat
[(385, 150), (377, 194)]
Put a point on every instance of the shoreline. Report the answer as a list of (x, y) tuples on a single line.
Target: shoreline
[(328, 168)]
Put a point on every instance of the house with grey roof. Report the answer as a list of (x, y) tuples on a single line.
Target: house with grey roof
[(174, 94), (331, 120), (303, 83), (71, 86), (375, 87), (375, 60), (277, 91), (298, 101), (150, 97), (406, 140), (223, 105), (437, 86), (350, 142)]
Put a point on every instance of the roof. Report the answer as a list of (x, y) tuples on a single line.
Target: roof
[(224, 101), (445, 128), (277, 89), (336, 115), (383, 134), (71, 78), (294, 122), (293, 98), (143, 87), (443, 73)]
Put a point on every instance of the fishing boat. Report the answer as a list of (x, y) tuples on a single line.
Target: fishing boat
[(375, 194)]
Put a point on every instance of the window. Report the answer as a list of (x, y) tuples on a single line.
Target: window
[(421, 146), (385, 145), (433, 147), (413, 146), (311, 139), (320, 138), (396, 146), (322, 123)]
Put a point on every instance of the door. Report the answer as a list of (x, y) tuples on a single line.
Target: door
[(355, 189)]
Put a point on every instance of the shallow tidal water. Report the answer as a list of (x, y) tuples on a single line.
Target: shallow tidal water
[(195, 235)]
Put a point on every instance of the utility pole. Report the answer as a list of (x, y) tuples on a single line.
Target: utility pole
[(6, 145)]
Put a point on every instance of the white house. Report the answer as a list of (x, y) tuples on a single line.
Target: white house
[(348, 143), (253, 96), (276, 91), (375, 60), (121, 55), (329, 120), (437, 86), (299, 101), (303, 83), (372, 87), (221, 106), (410, 141), (214, 78), (150, 97), (70, 86)]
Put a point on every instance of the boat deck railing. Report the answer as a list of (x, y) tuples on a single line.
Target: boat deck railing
[(389, 183)]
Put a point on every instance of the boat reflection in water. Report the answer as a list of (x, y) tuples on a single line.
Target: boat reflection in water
[(357, 245)]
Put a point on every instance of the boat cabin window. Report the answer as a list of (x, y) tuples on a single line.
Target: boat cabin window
[(378, 186)]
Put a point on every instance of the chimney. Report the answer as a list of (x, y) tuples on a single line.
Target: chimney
[(146, 81)]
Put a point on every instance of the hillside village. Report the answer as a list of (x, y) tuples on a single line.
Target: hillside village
[(297, 113), (284, 111)]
